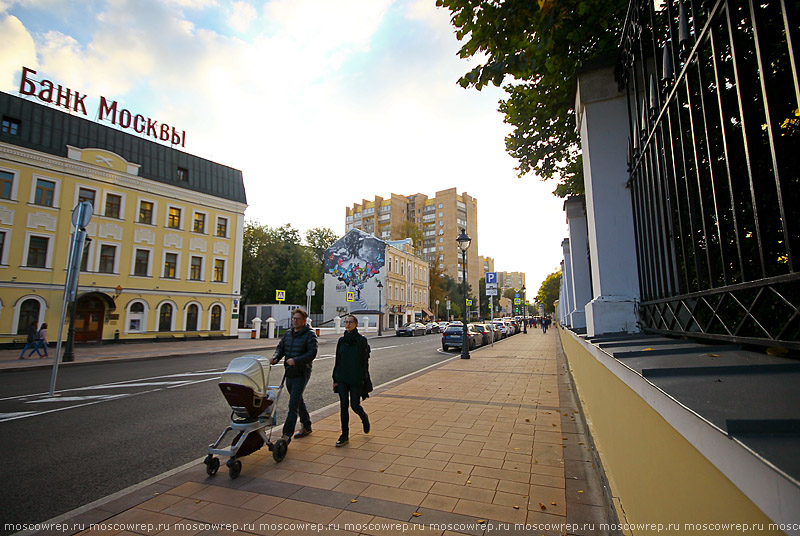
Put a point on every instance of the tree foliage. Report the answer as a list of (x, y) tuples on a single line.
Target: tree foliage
[(319, 239), (409, 229), (548, 292), (540, 44)]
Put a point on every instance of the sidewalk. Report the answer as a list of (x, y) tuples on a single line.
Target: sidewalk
[(494, 444)]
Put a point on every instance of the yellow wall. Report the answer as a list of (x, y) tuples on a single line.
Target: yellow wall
[(658, 476)]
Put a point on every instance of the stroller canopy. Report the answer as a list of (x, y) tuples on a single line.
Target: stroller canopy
[(250, 371)]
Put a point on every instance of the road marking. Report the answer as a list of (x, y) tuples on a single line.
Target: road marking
[(74, 398)]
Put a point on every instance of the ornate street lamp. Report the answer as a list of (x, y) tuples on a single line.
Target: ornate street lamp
[(380, 309), (463, 242)]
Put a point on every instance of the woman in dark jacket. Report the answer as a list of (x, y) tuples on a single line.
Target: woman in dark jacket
[(351, 376)]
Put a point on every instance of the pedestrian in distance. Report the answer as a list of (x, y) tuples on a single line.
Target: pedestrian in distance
[(351, 376), (41, 342), (298, 347), (545, 322), (30, 342)]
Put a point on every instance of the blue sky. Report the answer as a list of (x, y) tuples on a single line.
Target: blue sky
[(320, 103)]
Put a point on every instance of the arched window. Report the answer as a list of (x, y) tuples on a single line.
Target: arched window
[(165, 318), (28, 312), (191, 318), (137, 307), (137, 317), (216, 317)]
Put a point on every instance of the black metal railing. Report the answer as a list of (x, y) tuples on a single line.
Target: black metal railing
[(714, 162)]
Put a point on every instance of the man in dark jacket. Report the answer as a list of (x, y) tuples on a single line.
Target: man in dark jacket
[(299, 348)]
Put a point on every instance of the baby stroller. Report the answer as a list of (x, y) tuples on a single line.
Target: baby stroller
[(245, 385)]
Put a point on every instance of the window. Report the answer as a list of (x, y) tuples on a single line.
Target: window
[(196, 271), (170, 265), (222, 227), (107, 256), (216, 317), (85, 194), (142, 263), (136, 317), (28, 313), (174, 220), (37, 251), (2, 245), (390, 264), (191, 318), (45, 192), (165, 318), (219, 270), (113, 204), (85, 256), (183, 174), (402, 268), (11, 126), (6, 184), (441, 205), (146, 212), (199, 223)]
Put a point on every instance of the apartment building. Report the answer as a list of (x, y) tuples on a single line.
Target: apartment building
[(440, 218), (164, 256)]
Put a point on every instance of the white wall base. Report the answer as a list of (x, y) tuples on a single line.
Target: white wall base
[(611, 314), (578, 319)]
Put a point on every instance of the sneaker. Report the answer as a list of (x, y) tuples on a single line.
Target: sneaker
[(286, 438), (365, 422), (343, 439), (302, 433)]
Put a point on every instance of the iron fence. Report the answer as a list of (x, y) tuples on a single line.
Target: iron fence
[(714, 163)]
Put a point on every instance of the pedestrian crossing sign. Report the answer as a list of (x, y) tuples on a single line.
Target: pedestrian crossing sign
[(280, 295), (517, 301), (351, 296), (469, 302)]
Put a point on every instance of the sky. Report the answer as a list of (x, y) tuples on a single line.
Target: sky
[(320, 104)]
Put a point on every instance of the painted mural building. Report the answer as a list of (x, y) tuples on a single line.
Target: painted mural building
[(354, 266), (164, 255)]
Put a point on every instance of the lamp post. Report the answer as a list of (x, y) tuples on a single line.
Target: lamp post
[(447, 305), (524, 312), (380, 309), (463, 242), (437, 310)]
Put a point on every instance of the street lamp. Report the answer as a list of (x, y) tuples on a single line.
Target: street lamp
[(524, 312), (437, 311), (463, 242), (380, 309)]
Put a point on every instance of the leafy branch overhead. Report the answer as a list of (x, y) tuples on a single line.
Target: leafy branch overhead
[(540, 44)]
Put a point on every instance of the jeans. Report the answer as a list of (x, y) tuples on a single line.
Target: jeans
[(39, 344), (352, 394), (297, 406)]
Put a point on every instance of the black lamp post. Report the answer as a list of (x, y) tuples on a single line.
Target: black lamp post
[(524, 312), (463, 242), (380, 310)]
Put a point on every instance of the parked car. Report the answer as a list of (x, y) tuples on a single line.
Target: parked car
[(411, 329), (431, 327), (486, 333), (443, 325), (452, 337)]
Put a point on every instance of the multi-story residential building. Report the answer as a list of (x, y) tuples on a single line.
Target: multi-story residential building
[(407, 285), (440, 218), (487, 263), (515, 280), (164, 255)]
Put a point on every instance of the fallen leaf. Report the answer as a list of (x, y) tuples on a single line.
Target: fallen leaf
[(581, 443), (381, 470), (711, 355), (469, 481), (542, 506), (554, 424), (553, 503), (196, 501), (416, 514), (647, 350), (481, 521), (564, 438), (527, 420), (580, 491), (459, 472), (353, 500), (516, 507), (549, 391)]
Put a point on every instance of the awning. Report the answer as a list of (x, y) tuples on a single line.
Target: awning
[(427, 312)]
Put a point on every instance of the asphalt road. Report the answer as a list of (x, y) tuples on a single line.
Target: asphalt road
[(114, 424)]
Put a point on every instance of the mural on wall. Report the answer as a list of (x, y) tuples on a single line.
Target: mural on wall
[(354, 259)]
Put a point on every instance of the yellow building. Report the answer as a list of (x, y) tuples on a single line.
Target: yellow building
[(164, 256), (407, 285)]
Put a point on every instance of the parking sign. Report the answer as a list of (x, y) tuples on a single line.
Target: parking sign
[(491, 278)]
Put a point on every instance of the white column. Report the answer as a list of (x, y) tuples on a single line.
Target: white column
[(579, 257), (566, 277), (602, 119)]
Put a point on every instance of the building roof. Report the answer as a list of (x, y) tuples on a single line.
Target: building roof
[(50, 131)]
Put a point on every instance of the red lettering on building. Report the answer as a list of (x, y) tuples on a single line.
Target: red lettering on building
[(105, 109), (151, 126), (125, 118), (47, 88), (27, 87)]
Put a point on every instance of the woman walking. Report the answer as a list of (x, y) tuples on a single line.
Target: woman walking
[(351, 376), (31, 340), (41, 341)]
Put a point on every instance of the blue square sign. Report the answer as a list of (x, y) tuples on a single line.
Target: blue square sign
[(491, 278)]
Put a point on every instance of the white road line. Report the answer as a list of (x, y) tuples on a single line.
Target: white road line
[(74, 398)]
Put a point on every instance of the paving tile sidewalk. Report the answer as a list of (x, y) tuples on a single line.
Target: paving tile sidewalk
[(493, 444)]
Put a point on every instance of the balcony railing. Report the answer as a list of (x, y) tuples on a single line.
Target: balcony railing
[(714, 125)]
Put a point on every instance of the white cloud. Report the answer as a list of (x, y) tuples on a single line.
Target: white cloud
[(18, 51), (242, 16)]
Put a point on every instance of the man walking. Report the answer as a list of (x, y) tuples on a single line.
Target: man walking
[(299, 348)]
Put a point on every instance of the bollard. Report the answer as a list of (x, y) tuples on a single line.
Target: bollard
[(270, 328), (256, 328)]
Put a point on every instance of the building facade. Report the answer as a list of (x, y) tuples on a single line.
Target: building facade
[(163, 257), (440, 218)]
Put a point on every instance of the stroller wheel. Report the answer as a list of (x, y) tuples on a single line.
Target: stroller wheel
[(234, 468), (279, 450), (212, 465)]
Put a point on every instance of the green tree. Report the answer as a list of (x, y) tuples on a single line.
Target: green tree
[(319, 239), (409, 229), (437, 289), (548, 292), (541, 45)]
